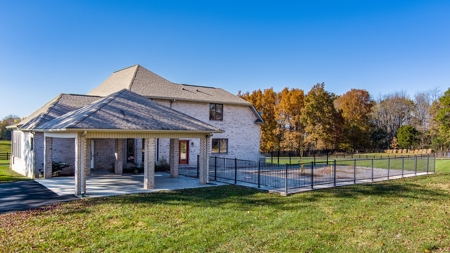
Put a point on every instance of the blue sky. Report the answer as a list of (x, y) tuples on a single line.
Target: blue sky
[(51, 47)]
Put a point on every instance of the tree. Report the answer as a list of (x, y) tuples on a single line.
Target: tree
[(5, 134), (323, 123), (391, 112), (288, 113), (265, 103), (356, 106), (407, 136), (442, 118), (394, 143)]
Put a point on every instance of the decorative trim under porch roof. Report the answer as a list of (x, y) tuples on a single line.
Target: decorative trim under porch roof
[(125, 111)]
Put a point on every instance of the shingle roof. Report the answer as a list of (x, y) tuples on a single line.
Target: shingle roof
[(126, 110), (146, 83), (60, 105)]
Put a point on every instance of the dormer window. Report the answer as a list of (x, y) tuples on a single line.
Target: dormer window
[(215, 111)]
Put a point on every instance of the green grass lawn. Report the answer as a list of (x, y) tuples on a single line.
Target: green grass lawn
[(5, 146), (405, 215), (8, 176)]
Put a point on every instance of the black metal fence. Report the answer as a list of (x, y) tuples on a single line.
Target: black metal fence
[(291, 158), (289, 178), (5, 156)]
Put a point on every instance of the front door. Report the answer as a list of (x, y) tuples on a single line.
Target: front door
[(184, 152)]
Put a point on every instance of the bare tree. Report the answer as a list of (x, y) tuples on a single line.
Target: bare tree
[(391, 112)]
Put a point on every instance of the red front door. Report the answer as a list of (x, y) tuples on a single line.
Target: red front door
[(184, 152)]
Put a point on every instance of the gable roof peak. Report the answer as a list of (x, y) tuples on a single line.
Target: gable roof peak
[(146, 83), (135, 65)]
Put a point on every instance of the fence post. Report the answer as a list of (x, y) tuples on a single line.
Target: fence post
[(198, 166), (403, 165), (215, 168), (415, 165), (259, 174), (312, 175), (428, 162), (289, 157), (372, 170), (278, 156), (327, 157), (354, 171), (286, 180), (235, 170), (334, 172), (434, 166), (389, 167)]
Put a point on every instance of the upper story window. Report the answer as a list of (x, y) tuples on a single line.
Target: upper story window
[(216, 111)]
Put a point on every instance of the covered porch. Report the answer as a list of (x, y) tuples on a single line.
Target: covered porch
[(126, 115)]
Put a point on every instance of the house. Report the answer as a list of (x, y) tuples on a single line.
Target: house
[(132, 113)]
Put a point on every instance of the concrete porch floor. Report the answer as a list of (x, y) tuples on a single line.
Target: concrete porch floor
[(102, 184)]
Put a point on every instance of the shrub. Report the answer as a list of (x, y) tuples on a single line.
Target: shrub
[(57, 168), (162, 165)]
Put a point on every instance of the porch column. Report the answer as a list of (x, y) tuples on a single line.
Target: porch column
[(174, 156), (138, 152), (149, 163), (48, 157), (118, 169), (88, 157), (81, 164), (205, 148)]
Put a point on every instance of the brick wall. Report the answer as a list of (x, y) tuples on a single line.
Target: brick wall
[(38, 152), (238, 122), (104, 154)]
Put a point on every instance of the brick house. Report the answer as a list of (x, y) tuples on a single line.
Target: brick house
[(232, 126)]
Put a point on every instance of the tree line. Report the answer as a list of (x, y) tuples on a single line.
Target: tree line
[(354, 121), (5, 134)]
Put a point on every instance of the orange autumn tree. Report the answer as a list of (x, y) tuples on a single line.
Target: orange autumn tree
[(265, 102), (356, 106), (288, 116)]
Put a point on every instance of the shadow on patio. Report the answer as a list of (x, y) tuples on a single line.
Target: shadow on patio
[(101, 184)]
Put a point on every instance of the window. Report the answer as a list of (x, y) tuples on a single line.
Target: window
[(219, 146), (215, 111)]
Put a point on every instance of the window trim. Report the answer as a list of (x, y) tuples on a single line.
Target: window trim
[(215, 112), (219, 148)]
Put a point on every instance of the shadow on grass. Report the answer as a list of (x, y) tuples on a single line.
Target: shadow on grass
[(243, 198)]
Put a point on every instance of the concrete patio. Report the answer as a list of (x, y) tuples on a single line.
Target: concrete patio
[(102, 184)]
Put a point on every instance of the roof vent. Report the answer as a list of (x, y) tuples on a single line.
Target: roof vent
[(182, 87), (196, 89)]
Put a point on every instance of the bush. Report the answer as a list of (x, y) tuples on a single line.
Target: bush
[(57, 168), (162, 165)]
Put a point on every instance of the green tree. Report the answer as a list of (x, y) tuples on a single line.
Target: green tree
[(407, 136), (442, 117), (5, 134), (323, 123)]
